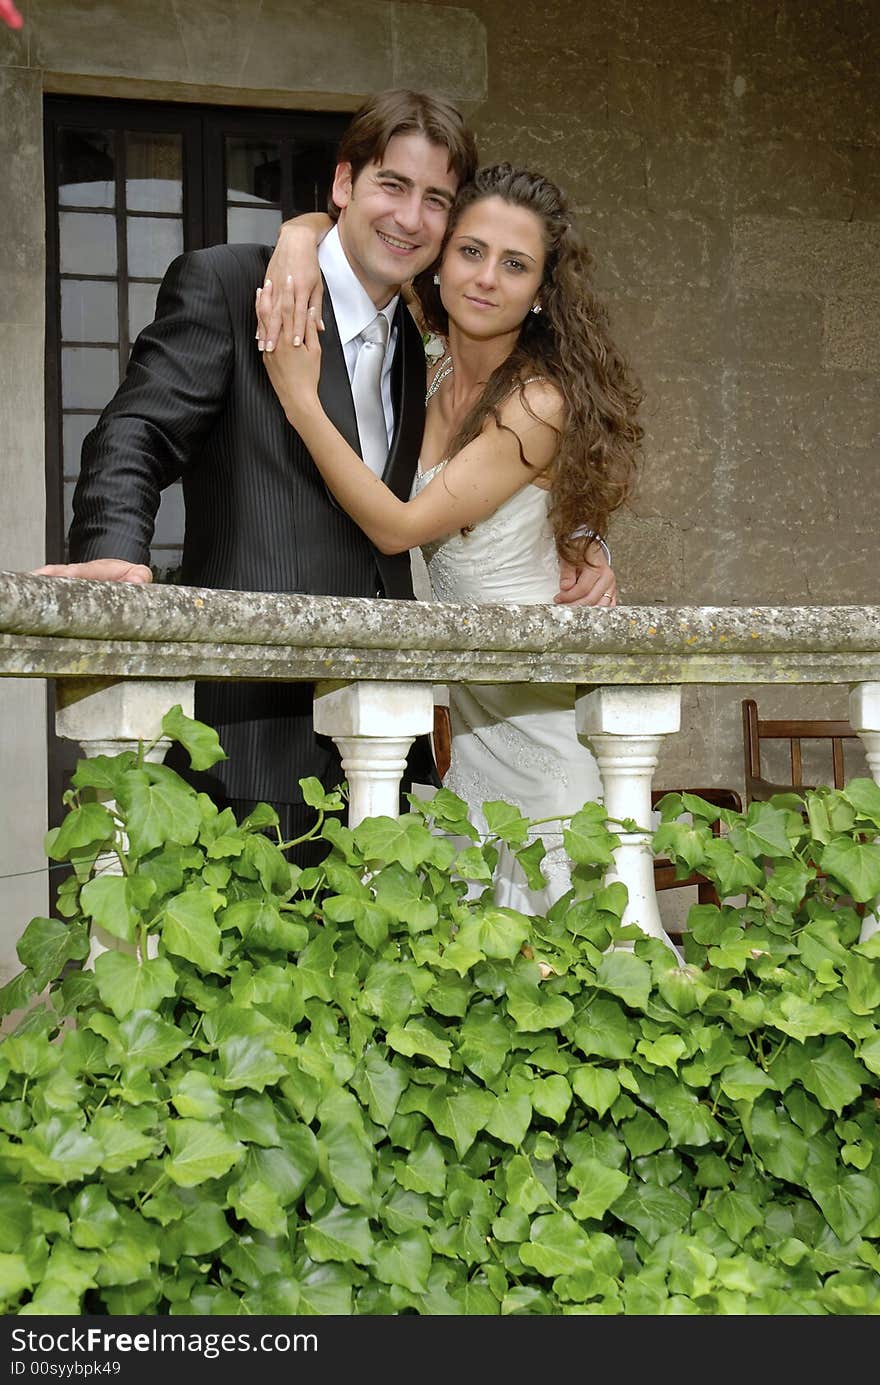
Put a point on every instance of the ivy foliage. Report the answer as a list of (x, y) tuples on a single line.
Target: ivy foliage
[(363, 1088)]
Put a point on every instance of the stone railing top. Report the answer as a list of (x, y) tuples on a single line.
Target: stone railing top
[(54, 627)]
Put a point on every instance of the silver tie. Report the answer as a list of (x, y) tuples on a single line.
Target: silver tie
[(366, 389)]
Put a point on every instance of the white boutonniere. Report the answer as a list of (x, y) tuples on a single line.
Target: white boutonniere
[(435, 347)]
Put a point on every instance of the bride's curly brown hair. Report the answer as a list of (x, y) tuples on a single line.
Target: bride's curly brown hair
[(568, 343)]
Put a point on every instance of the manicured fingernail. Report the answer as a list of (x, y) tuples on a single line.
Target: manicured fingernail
[(297, 341), (270, 346), (267, 284), (259, 291), (321, 325), (261, 345)]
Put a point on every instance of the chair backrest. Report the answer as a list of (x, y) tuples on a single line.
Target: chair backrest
[(756, 730)]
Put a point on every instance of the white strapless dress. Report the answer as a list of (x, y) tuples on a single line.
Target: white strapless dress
[(513, 741)]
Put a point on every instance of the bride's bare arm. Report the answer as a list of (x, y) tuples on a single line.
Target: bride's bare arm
[(469, 488), (293, 281)]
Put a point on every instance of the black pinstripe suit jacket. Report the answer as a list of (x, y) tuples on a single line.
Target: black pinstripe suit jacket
[(196, 403)]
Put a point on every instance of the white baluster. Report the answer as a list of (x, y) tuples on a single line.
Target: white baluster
[(625, 727), (374, 725), (864, 718), (106, 719)]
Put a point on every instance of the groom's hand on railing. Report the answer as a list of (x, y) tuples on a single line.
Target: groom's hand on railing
[(100, 570), (593, 584)]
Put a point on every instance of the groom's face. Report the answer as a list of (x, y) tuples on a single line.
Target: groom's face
[(394, 214)]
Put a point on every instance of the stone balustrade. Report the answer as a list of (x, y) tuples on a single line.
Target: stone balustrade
[(124, 654)]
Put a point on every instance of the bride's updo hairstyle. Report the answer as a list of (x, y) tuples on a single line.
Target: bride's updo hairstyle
[(569, 343)]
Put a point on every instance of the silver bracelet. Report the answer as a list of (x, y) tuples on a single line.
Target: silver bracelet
[(585, 533)]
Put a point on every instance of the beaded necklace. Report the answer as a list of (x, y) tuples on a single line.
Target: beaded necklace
[(445, 369)]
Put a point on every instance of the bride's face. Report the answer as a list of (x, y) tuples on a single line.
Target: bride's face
[(492, 267)]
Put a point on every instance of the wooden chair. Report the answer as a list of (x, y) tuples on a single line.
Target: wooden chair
[(664, 870), (757, 730)]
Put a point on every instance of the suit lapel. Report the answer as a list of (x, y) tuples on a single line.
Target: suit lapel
[(334, 387), (408, 393)]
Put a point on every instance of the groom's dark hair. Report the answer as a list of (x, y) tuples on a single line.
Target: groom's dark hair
[(404, 112)]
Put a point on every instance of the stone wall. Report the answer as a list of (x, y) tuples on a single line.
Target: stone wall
[(722, 156)]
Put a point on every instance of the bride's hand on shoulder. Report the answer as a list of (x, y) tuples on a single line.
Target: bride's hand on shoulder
[(293, 282), (294, 372)]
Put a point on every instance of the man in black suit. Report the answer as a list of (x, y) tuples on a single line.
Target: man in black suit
[(196, 404)]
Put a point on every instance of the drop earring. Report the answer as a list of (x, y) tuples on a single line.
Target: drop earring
[(536, 308), (436, 278)]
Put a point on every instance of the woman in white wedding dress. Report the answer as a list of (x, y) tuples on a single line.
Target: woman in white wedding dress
[(531, 435)]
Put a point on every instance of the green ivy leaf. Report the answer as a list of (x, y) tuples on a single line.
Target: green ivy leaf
[(626, 976), (597, 1187), (145, 1041), (340, 1233), (406, 1261), (597, 1088), (459, 1117), (88, 826), (530, 858), (849, 1204), (248, 1061), (745, 1081), (413, 1037), (587, 840), (651, 1209), (201, 742), (505, 821), (394, 839), (681, 841), (532, 1007), (855, 864), (525, 1192), (379, 1085), (46, 945), (198, 1150), (862, 980), (864, 795), (56, 1151), (158, 809), (763, 833), (256, 1203), (190, 930), (557, 1245), (510, 1119), (125, 983), (832, 1073)]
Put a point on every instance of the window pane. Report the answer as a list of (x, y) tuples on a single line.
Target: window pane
[(74, 429), (153, 243), (253, 170), (169, 520), (86, 168), (252, 224), (89, 376), (69, 487), (88, 243), (88, 310), (153, 172), (313, 167), (141, 307)]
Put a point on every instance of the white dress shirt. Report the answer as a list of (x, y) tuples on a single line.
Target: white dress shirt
[(354, 310)]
